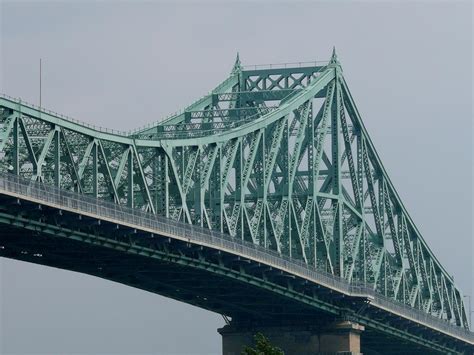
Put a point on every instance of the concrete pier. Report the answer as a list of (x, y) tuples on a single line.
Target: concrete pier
[(341, 337)]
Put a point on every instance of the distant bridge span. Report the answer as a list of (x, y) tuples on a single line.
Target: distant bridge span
[(239, 205)]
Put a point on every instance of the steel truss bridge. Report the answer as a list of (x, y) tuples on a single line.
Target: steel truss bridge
[(265, 201)]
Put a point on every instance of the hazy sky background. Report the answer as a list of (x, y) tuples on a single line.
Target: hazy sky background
[(122, 65)]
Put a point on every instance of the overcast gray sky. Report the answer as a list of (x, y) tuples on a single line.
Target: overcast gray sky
[(121, 65)]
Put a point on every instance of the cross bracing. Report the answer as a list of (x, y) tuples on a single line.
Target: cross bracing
[(275, 156)]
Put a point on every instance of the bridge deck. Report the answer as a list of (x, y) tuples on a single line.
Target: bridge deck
[(73, 202)]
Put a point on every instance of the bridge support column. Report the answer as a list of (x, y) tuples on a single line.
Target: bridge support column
[(341, 337)]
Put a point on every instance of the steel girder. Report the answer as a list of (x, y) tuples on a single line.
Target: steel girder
[(278, 156), (55, 232)]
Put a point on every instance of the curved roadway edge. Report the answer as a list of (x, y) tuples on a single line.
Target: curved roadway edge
[(75, 203)]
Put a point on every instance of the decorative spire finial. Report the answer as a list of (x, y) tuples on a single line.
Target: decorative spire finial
[(237, 65), (334, 56)]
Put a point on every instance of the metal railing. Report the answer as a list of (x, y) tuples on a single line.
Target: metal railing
[(202, 129), (313, 63), (63, 117), (63, 199)]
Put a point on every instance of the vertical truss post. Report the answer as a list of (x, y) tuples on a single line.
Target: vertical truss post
[(130, 197), (285, 182), (263, 187), (221, 185), (215, 188), (381, 207), (158, 182), (239, 217), (312, 243), (95, 170), (167, 181), (288, 186), (199, 189), (336, 177), (360, 177), (57, 157), (16, 147)]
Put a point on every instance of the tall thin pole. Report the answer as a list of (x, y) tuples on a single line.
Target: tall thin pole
[(40, 84)]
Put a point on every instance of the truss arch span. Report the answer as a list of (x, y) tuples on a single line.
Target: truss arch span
[(276, 157)]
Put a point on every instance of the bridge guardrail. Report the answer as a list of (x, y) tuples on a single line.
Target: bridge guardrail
[(72, 200), (285, 65), (199, 129), (64, 117)]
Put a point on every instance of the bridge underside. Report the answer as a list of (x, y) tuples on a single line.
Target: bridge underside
[(252, 294)]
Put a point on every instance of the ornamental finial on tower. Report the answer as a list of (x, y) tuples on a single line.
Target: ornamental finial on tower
[(237, 65), (333, 56)]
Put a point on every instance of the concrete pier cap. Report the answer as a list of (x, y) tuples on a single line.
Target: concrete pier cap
[(340, 337)]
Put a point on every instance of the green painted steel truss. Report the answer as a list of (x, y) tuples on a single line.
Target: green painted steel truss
[(277, 156)]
